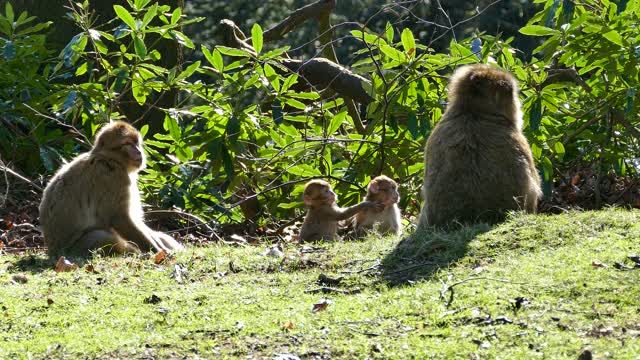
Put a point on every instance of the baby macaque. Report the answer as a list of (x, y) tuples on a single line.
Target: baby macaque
[(382, 190), (323, 214)]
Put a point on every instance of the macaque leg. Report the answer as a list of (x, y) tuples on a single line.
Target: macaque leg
[(102, 240), (167, 242)]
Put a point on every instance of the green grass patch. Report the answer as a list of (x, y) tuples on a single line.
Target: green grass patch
[(535, 286)]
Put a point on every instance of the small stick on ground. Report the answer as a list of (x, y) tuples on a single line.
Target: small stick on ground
[(329, 290), (372, 267), (449, 288)]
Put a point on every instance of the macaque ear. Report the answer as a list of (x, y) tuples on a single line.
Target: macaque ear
[(373, 187)]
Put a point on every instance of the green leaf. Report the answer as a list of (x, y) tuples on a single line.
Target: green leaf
[(256, 38), (613, 36), (368, 38), (548, 168), (215, 59), (151, 13), (291, 205), (559, 149), (408, 42), (336, 121), (537, 30), (304, 95), (171, 124), (389, 32), (8, 9), (232, 51), (175, 16), (189, 71), (296, 104), (182, 39), (82, 69), (125, 16), (141, 49), (393, 53), (304, 170)]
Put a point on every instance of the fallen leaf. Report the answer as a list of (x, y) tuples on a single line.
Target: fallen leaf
[(599, 264), (287, 325), (49, 302), (90, 269), (160, 257), (64, 265), (321, 306)]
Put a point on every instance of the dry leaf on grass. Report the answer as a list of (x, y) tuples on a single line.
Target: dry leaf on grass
[(160, 257), (599, 264), (322, 305), (64, 265), (287, 325)]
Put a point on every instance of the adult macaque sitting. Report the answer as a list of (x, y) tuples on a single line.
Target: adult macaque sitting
[(93, 203)]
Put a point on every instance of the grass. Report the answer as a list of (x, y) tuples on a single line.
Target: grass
[(528, 288)]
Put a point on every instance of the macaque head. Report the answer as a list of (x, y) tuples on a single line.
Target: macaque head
[(384, 190), (481, 88), (121, 142), (318, 193)]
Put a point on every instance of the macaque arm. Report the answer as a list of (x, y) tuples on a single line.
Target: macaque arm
[(136, 232), (345, 213)]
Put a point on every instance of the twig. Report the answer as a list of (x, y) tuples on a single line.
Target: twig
[(166, 213), (372, 267), (6, 193), (449, 288), (329, 290), (6, 169)]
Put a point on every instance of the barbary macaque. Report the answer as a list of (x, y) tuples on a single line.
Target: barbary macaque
[(323, 213), (93, 202), (478, 164), (384, 190)]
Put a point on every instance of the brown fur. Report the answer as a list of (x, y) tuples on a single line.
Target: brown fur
[(93, 203), (478, 163), (323, 214), (382, 190)]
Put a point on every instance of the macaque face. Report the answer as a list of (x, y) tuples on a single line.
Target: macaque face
[(318, 193), (124, 144), (384, 190), (134, 154)]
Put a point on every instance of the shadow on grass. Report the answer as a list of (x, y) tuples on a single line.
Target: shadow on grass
[(421, 254), (38, 263), (34, 263)]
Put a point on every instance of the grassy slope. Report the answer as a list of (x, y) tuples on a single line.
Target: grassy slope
[(572, 305)]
